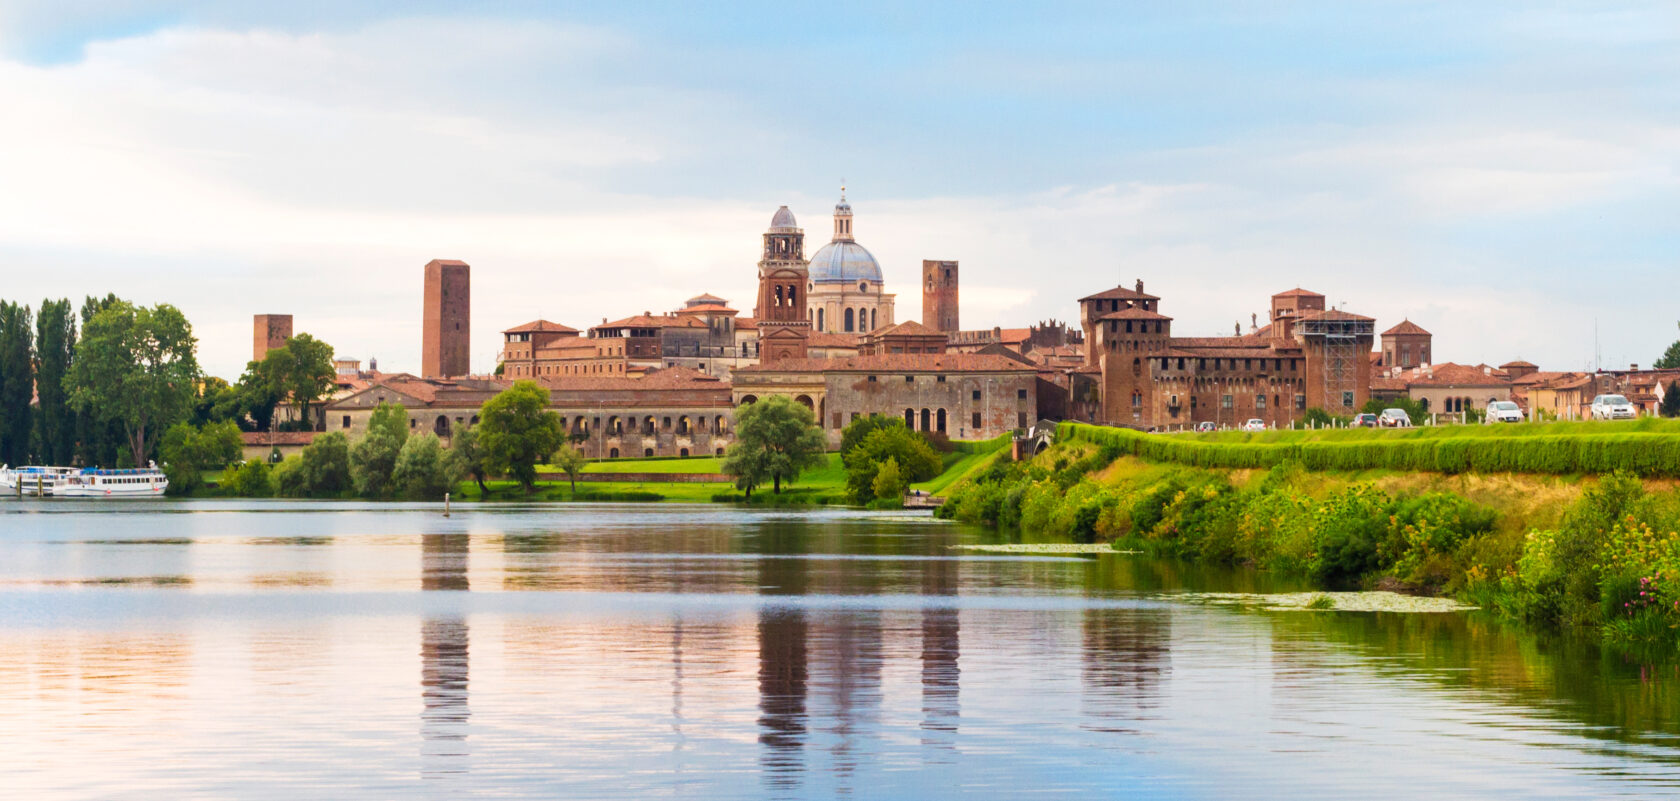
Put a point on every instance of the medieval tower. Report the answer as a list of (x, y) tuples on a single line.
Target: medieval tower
[(269, 331), (446, 322), (782, 279), (939, 295)]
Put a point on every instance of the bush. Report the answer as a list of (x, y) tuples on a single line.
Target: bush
[(374, 456), (425, 470), (188, 452), (888, 484), (250, 479), (916, 460)]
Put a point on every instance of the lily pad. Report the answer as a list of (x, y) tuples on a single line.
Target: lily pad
[(1339, 601), (1044, 548)]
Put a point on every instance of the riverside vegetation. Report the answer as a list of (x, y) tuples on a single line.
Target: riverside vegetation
[(1574, 530)]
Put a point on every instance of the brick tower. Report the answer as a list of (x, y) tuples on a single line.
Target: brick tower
[(446, 323), (783, 324), (939, 295), (269, 331)]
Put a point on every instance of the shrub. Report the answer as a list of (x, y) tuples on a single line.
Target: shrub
[(424, 469), (250, 479), (888, 484), (374, 456)]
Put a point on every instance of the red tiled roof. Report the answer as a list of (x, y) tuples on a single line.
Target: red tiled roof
[(1298, 292), (671, 378), (706, 307), (1519, 364), (1334, 314), (895, 363), (1014, 336), (1119, 293), (828, 339), (908, 328), (1448, 374), (746, 323), (541, 325), (278, 437), (1391, 384), (1406, 327), (1134, 313), (707, 297), (652, 321)]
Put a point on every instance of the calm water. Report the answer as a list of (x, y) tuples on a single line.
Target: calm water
[(330, 650)]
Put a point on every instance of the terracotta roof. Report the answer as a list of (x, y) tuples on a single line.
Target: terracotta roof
[(278, 437), (1334, 314), (541, 325), (1134, 313), (1014, 336), (1450, 374), (894, 363), (748, 323), (1257, 343), (908, 328), (448, 262), (652, 321), (1538, 377), (1406, 327), (1119, 293), (706, 307), (707, 297), (1298, 292), (1392, 384), (828, 339), (1519, 364)]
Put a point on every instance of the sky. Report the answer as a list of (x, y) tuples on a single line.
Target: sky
[(1503, 174)]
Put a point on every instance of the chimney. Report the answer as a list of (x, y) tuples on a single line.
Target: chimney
[(1634, 367)]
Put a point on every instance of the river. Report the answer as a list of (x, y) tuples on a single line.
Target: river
[(284, 650)]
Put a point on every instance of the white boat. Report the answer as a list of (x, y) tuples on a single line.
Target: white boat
[(32, 479), (146, 482)]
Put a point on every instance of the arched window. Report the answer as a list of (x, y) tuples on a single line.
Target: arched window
[(910, 419), (940, 424), (927, 420), (819, 319), (1137, 366), (612, 454), (849, 321), (872, 325)]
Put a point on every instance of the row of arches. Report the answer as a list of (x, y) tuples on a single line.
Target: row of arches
[(681, 424), (613, 453), (930, 419)]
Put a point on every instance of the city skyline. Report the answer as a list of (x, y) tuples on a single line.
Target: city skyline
[(1486, 172)]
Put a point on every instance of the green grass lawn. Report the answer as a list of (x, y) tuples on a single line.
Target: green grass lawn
[(823, 484), (1644, 425)]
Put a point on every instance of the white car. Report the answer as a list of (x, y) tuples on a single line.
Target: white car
[(1394, 418), (1254, 424), (1503, 412), (1612, 407)]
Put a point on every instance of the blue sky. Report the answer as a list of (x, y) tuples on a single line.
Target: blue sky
[(1502, 174)]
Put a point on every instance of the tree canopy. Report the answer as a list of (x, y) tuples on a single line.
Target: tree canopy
[(517, 431), (571, 461), (300, 371), (776, 439), (374, 456), (914, 459), (55, 341), (1671, 400), (17, 381), (135, 366), (1670, 358)]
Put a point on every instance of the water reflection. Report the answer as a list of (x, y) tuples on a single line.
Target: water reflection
[(444, 662), (783, 670), (941, 649), (1125, 657)]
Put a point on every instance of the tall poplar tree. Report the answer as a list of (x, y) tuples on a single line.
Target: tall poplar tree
[(17, 381), (99, 439), (55, 340)]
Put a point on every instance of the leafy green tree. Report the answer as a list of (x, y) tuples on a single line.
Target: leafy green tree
[(17, 381), (915, 459), (1670, 358), (776, 439), (517, 432), (55, 340), (252, 479), (254, 399), (99, 438), (187, 452), (855, 431), (215, 401), (1671, 400), (137, 366), (300, 371), (888, 483), (570, 460), (324, 466), (374, 456), (463, 441), (425, 469)]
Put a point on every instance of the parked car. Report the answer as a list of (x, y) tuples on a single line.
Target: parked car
[(1394, 418), (1503, 412), (1254, 424), (1206, 426), (1365, 421), (1612, 407)]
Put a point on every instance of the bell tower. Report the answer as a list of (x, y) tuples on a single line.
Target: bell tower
[(783, 278), (939, 295)]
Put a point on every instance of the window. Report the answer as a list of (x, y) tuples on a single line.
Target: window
[(1300, 400), (1259, 402), (976, 421), (1181, 362), (1020, 394), (647, 452), (1248, 364), (1201, 364), (1347, 398), (412, 422), (872, 379), (909, 379), (347, 421), (940, 380), (1020, 419), (1192, 401), (612, 454), (836, 419), (1128, 326), (1226, 402), (976, 396)]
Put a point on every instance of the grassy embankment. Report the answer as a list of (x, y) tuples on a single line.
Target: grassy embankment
[(1529, 521), (825, 484)]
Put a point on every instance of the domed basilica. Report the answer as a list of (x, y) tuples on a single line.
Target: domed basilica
[(844, 293)]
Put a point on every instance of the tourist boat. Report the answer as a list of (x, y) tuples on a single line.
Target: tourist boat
[(33, 479), (146, 482)]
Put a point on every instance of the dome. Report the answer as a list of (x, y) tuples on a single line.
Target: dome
[(844, 262), (783, 219)]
